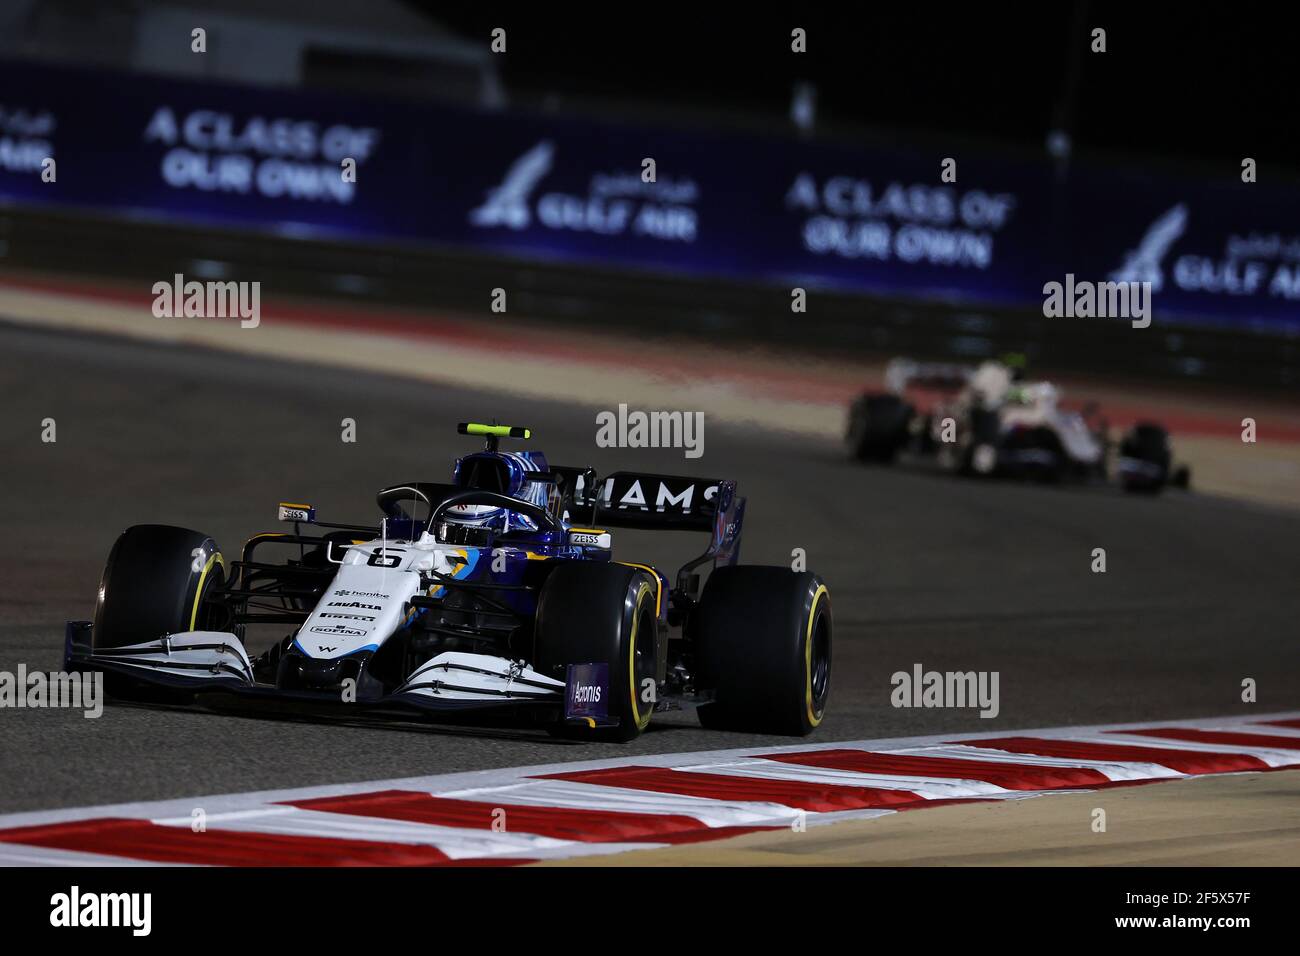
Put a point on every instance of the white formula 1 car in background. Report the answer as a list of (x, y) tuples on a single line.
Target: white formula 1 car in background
[(986, 420)]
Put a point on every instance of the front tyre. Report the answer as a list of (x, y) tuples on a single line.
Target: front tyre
[(592, 613), (762, 639), (155, 583)]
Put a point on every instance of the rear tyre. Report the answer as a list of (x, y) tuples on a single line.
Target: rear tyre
[(1147, 448), (592, 613), (877, 428), (762, 638), (155, 583)]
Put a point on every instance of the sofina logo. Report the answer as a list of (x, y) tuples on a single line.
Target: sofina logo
[(338, 630)]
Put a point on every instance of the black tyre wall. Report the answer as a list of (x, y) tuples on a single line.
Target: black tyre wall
[(754, 632), (600, 613), (150, 586)]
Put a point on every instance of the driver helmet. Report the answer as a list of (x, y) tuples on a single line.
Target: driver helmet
[(504, 473)]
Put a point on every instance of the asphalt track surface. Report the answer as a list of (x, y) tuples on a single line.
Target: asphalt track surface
[(1199, 593)]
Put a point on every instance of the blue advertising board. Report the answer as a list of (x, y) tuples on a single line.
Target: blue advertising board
[(737, 206)]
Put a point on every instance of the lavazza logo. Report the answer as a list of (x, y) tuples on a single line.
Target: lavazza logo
[(615, 204)]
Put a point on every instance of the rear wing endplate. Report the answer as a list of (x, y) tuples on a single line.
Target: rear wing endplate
[(627, 499)]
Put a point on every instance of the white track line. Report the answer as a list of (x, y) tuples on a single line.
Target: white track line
[(779, 789)]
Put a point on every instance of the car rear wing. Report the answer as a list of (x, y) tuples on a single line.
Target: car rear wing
[(902, 374), (629, 499)]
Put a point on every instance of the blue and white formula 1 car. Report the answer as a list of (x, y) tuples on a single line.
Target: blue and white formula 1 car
[(492, 599)]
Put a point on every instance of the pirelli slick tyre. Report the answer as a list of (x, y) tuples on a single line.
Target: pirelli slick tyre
[(155, 583), (762, 638), (591, 613)]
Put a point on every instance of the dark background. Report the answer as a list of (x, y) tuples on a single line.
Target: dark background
[(1209, 83), (1182, 90)]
